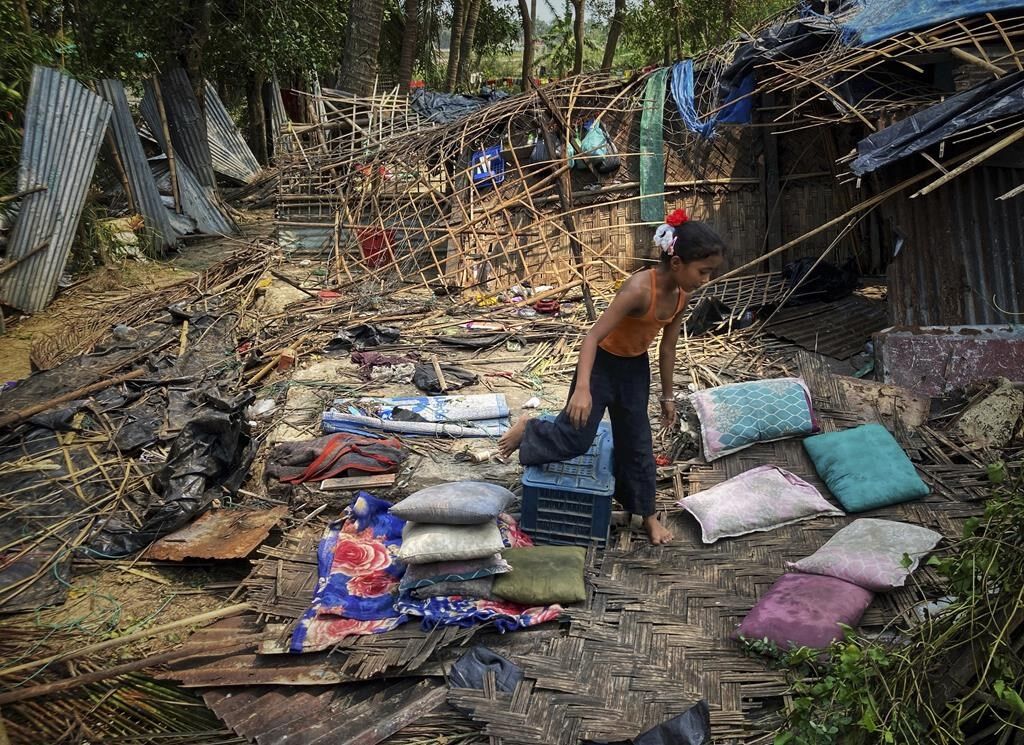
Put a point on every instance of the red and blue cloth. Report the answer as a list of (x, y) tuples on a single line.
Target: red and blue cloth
[(357, 588)]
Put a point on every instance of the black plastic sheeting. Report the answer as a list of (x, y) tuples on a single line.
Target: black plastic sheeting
[(817, 281), (55, 490), (791, 39), (425, 378), (447, 107), (998, 99)]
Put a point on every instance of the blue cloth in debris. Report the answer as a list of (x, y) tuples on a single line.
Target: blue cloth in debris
[(737, 108), (880, 19)]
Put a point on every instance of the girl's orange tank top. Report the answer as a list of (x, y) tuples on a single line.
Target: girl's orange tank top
[(634, 335)]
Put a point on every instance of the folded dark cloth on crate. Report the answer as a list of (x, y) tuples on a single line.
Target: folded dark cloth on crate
[(334, 455)]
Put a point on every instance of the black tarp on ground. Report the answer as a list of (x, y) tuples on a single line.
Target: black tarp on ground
[(1000, 98), (93, 472)]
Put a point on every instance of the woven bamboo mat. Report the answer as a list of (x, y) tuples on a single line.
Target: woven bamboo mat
[(654, 634)]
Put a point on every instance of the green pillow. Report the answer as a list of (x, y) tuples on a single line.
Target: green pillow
[(542, 575), (865, 468)]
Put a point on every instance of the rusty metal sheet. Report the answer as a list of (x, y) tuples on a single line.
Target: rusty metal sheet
[(935, 360), (218, 534), (839, 329), (959, 250)]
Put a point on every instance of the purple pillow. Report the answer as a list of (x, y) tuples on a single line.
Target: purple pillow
[(805, 610)]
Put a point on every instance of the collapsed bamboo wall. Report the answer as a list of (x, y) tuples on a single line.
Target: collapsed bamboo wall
[(381, 192)]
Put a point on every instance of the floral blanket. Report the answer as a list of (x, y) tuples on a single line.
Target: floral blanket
[(357, 589), (358, 577)]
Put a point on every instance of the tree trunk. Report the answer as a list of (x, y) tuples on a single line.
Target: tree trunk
[(728, 10), (410, 39), (614, 31), (257, 128), (466, 43), (527, 19), (577, 32), (677, 28), (362, 42), (459, 8), (26, 20), (194, 51)]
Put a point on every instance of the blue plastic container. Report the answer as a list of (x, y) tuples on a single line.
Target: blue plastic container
[(570, 503)]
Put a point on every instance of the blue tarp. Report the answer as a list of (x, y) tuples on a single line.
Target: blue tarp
[(738, 108), (880, 19)]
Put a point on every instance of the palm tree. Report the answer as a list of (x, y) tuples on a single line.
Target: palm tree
[(410, 39), (362, 39), (527, 18), (466, 42)]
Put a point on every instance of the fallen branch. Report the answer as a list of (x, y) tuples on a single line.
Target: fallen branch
[(16, 417)]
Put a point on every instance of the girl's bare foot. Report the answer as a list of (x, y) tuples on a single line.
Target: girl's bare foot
[(657, 532), (509, 442)]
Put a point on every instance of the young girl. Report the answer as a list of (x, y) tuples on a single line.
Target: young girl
[(614, 372)]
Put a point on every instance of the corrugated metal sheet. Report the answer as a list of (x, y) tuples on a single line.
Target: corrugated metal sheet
[(185, 122), (64, 126), (136, 166), (278, 118), (196, 201), (962, 257), (231, 155), (838, 329)]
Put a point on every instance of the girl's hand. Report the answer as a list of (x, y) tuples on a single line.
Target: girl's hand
[(578, 408), (668, 414)]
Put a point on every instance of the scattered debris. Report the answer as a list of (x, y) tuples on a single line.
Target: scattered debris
[(217, 534)]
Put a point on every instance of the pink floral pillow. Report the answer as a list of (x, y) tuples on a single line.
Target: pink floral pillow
[(869, 553), (763, 498), (805, 610)]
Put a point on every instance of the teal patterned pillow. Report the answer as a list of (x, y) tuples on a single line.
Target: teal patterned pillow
[(736, 416)]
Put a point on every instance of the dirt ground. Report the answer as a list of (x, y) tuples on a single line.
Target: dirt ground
[(112, 282)]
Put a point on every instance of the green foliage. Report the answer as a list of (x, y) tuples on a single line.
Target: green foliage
[(22, 48), (650, 27), (867, 691), (497, 29)]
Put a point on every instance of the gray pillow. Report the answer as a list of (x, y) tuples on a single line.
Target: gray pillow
[(457, 503), (467, 588), (423, 543)]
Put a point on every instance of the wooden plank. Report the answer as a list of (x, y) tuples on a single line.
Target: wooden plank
[(358, 482)]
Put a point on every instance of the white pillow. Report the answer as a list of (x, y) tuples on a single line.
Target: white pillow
[(763, 498), (423, 543)]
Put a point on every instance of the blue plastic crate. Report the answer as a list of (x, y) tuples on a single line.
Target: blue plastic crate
[(570, 502)]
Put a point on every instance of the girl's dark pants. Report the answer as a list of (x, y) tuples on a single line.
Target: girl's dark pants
[(620, 385)]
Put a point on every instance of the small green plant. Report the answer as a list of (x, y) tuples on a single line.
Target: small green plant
[(950, 676)]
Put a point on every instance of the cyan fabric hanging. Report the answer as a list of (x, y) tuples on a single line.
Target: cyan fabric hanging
[(652, 149)]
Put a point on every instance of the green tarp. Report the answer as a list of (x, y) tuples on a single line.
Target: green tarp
[(652, 150)]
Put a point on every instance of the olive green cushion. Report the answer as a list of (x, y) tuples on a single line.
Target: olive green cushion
[(542, 575)]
